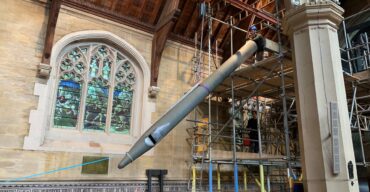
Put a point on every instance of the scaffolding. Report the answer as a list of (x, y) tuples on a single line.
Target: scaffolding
[(355, 47), (267, 87), (220, 141), (355, 54)]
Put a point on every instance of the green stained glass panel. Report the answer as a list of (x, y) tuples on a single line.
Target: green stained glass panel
[(75, 55), (131, 78), (120, 75), (94, 66), (67, 104), (126, 66), (106, 68), (96, 105), (103, 51), (79, 68), (66, 65), (121, 112)]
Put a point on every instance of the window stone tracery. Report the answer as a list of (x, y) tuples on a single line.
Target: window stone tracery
[(88, 75), (123, 77)]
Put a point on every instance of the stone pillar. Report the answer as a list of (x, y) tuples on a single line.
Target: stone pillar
[(312, 28)]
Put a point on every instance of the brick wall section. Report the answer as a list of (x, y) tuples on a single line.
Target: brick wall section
[(22, 33)]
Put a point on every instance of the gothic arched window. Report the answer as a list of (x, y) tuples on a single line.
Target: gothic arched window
[(95, 89)]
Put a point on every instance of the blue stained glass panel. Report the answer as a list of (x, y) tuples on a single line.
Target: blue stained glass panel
[(67, 104), (96, 105)]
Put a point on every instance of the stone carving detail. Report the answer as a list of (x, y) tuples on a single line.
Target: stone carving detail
[(153, 91), (139, 186), (43, 70)]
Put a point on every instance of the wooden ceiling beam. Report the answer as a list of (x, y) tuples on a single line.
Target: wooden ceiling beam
[(125, 6), (44, 67), (132, 9), (244, 24), (163, 29), (139, 12), (240, 37), (170, 10), (199, 29), (156, 10), (150, 11), (201, 36), (185, 16), (264, 32), (107, 14), (253, 18), (98, 2), (193, 22), (269, 34), (113, 5), (227, 37), (245, 7), (248, 18), (218, 28), (269, 7), (224, 35)]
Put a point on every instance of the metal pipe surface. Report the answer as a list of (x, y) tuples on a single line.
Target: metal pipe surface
[(188, 102)]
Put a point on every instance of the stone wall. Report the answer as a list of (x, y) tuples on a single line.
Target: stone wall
[(23, 26)]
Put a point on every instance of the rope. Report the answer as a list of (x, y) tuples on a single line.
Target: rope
[(51, 171)]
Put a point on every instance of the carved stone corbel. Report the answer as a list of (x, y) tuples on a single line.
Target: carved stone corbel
[(153, 91), (43, 70)]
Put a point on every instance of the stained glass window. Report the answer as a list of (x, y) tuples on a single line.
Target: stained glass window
[(96, 85), (122, 99)]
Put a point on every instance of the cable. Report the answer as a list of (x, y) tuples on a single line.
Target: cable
[(51, 171)]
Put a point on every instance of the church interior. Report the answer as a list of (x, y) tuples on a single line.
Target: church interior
[(184, 95)]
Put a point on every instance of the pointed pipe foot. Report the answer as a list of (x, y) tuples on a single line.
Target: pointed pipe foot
[(125, 161)]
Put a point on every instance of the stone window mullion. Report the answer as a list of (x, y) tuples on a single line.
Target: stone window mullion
[(111, 92), (84, 89), (96, 90), (66, 117)]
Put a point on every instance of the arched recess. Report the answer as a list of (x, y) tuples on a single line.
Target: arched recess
[(44, 137)]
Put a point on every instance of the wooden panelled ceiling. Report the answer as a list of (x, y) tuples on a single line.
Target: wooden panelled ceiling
[(144, 14)]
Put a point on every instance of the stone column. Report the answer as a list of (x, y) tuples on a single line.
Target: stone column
[(312, 28)]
